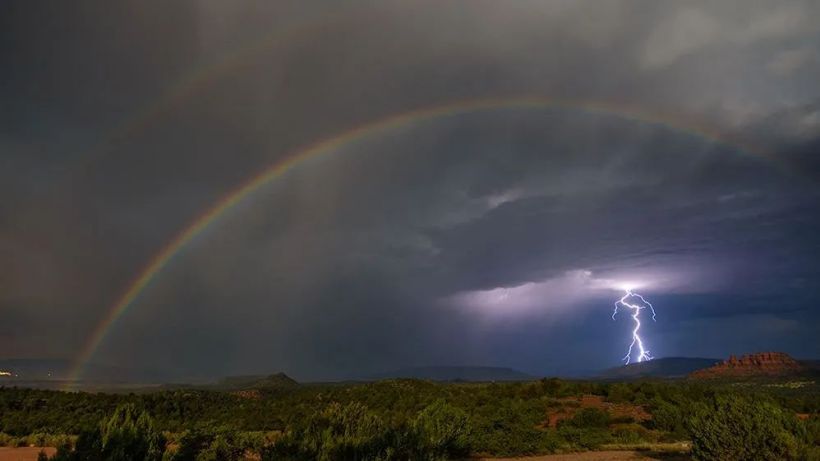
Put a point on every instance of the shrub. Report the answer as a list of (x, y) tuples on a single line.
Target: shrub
[(17, 442), (125, 436), (223, 447), (440, 432), (620, 392), (586, 429), (338, 432), (351, 432), (669, 418), (587, 438), (190, 444), (589, 417), (811, 432), (508, 429), (631, 433), (44, 439), (733, 428)]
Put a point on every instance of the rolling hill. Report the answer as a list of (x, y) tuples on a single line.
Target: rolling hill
[(462, 373), (667, 367), (274, 381)]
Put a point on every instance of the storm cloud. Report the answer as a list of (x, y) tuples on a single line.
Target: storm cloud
[(122, 124)]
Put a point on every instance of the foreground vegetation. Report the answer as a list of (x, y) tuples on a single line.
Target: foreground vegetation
[(417, 420)]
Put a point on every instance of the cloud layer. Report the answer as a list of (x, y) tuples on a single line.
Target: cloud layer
[(122, 124)]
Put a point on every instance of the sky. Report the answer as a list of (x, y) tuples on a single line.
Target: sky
[(682, 157)]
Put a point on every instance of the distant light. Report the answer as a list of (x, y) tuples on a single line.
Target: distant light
[(5, 373), (628, 286)]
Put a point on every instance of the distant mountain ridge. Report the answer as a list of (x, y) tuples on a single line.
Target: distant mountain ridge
[(455, 373), (666, 367), (256, 382)]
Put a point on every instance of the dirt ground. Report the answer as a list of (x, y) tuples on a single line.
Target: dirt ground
[(599, 456), (23, 453), (571, 405)]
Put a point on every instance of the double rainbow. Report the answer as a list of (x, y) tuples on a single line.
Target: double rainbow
[(333, 144)]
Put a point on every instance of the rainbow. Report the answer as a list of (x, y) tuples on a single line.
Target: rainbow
[(325, 147)]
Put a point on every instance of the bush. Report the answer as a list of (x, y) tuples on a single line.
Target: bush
[(811, 439), (440, 432), (733, 428), (589, 417), (125, 436), (670, 418), (17, 442), (352, 432), (190, 444), (812, 430), (221, 444), (631, 433), (620, 392), (338, 432), (509, 429), (44, 439), (586, 429), (587, 438), (223, 447)]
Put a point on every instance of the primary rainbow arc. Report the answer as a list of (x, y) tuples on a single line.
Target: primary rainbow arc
[(333, 144)]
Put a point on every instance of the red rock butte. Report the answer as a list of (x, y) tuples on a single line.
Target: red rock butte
[(760, 364)]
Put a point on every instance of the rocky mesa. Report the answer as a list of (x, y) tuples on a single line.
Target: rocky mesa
[(760, 364)]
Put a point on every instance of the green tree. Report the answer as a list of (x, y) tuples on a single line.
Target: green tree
[(733, 428), (338, 432), (127, 435)]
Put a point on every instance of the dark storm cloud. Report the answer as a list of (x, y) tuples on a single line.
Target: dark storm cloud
[(345, 265)]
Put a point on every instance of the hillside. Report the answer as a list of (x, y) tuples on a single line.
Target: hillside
[(667, 367), (474, 374), (238, 383), (763, 364)]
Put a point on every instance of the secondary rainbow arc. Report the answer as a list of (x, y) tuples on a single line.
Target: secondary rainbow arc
[(196, 82)]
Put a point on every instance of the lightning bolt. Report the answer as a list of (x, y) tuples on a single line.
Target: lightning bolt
[(643, 353)]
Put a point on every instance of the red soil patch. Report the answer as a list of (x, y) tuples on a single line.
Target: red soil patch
[(587, 456), (571, 405), (24, 453), (252, 394)]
